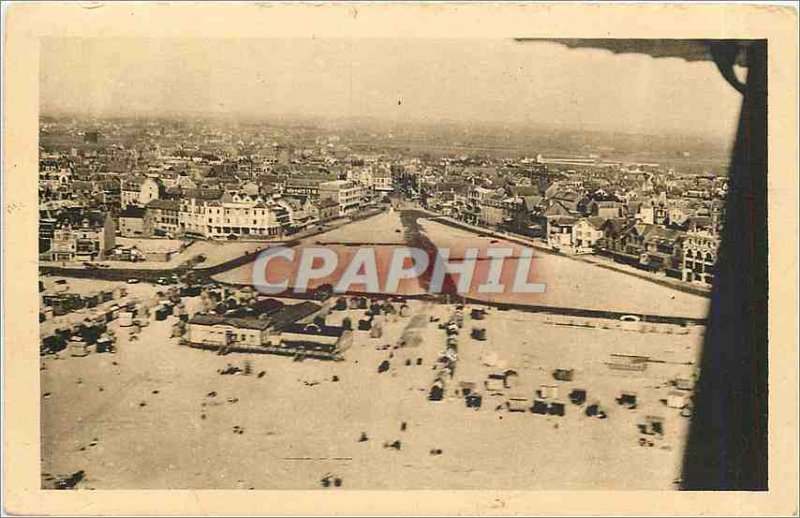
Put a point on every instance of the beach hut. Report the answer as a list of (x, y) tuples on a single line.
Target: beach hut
[(161, 312), (465, 388), (91, 300), (190, 291), (478, 333), (78, 347), (595, 410), (365, 324), (478, 314), (90, 331), (437, 391), (376, 331), (677, 399), (556, 408), (473, 400), (125, 318), (104, 344), (52, 344), (577, 396), (628, 362), (518, 403), (652, 425), (627, 399), (539, 407), (564, 374), (494, 383), (388, 309), (547, 391)]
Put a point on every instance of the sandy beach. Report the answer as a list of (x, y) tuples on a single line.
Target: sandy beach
[(158, 415)]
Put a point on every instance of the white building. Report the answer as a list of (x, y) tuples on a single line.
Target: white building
[(140, 191), (375, 179), (235, 214), (348, 194), (382, 180), (586, 232)]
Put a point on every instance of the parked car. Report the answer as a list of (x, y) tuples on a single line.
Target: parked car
[(133, 281)]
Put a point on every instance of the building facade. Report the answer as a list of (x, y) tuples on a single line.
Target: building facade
[(161, 217), (699, 255), (347, 194), (89, 237)]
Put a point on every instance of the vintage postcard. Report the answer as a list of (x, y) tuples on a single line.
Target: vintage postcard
[(417, 258)]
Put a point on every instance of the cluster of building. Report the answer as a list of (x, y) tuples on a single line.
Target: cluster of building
[(644, 216), (241, 322), (133, 181), (200, 180)]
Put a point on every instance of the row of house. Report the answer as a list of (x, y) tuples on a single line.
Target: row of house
[(672, 236), (245, 212)]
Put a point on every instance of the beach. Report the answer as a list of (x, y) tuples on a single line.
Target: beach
[(158, 414)]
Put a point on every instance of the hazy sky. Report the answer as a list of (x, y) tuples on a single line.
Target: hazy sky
[(461, 80)]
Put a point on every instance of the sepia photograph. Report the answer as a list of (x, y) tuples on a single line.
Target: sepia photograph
[(336, 262)]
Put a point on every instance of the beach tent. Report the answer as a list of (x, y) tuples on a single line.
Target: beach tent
[(474, 400), (77, 347), (577, 396), (556, 408), (518, 403), (437, 392), (564, 374), (494, 383), (627, 399), (539, 407), (479, 333), (677, 399)]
